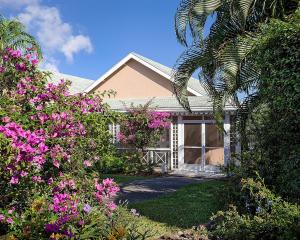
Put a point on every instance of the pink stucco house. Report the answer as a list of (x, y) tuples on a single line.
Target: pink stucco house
[(193, 142)]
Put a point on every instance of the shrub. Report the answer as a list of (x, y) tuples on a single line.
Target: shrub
[(140, 128), (266, 216), (135, 164), (50, 141), (111, 163)]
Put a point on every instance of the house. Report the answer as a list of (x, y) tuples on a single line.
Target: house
[(193, 142)]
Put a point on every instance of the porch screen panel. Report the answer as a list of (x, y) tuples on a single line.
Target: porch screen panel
[(192, 144), (214, 145)]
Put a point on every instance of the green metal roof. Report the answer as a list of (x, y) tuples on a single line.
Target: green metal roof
[(78, 84), (171, 104)]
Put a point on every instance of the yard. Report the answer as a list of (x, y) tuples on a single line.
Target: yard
[(189, 206)]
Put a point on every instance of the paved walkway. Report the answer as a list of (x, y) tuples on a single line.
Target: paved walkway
[(141, 190)]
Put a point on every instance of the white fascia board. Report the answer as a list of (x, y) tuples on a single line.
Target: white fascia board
[(122, 62)]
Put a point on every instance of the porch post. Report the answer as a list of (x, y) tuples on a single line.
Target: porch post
[(226, 139), (171, 146), (180, 142)]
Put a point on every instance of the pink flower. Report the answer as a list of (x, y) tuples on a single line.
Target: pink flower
[(36, 179), (87, 163), (14, 180), (35, 62), (10, 220), (56, 163), (2, 217), (24, 173), (5, 119), (5, 58), (39, 107), (72, 184), (111, 206), (10, 211), (50, 181)]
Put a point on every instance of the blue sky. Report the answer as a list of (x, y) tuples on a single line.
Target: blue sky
[(86, 38)]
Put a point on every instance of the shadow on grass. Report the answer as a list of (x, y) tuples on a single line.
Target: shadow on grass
[(189, 206)]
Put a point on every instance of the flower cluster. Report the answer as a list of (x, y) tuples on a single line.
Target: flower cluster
[(159, 120), (8, 218), (142, 127), (29, 148), (105, 191), (64, 203), (21, 62), (51, 92)]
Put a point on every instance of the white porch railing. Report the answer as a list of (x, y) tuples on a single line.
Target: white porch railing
[(159, 157)]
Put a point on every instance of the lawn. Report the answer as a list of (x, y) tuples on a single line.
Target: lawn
[(120, 178), (189, 206)]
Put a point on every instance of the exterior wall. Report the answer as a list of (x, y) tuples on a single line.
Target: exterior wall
[(214, 151), (134, 80)]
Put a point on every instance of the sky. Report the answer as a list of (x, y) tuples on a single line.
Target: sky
[(86, 38)]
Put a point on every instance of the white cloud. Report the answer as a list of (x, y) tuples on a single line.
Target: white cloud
[(16, 4), (75, 45), (50, 64), (54, 35)]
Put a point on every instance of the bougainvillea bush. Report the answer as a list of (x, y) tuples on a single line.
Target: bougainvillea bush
[(140, 128), (49, 141)]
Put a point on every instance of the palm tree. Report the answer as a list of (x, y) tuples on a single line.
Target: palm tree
[(223, 57), (13, 35)]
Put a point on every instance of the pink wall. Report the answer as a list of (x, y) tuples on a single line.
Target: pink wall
[(134, 80)]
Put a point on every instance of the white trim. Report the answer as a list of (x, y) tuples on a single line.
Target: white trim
[(126, 59), (196, 111), (199, 121), (180, 129), (203, 145), (226, 140), (171, 146)]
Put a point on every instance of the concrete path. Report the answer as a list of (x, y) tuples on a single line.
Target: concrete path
[(141, 190)]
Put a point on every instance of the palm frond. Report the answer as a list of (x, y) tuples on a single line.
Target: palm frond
[(193, 14), (14, 35)]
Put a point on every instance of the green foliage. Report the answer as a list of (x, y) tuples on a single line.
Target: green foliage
[(13, 35), (267, 217), (251, 58), (273, 127), (135, 164), (111, 163)]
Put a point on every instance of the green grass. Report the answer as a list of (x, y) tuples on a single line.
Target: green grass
[(189, 206), (143, 224), (120, 178)]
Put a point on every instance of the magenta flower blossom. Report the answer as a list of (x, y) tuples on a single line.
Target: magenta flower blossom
[(106, 190), (87, 163), (9, 220), (14, 180), (111, 206), (50, 181), (2, 217)]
